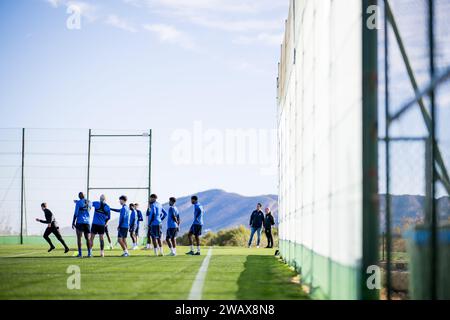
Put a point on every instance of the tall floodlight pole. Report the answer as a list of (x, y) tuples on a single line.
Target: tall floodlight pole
[(22, 192)]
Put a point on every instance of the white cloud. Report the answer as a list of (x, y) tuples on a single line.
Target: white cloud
[(170, 34), (54, 3), (232, 25), (234, 6), (135, 3), (87, 10), (215, 5), (262, 38), (226, 15), (120, 23)]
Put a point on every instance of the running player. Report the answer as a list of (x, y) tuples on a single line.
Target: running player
[(133, 225), (124, 224), (80, 223), (101, 215), (52, 227), (140, 218), (173, 224), (156, 215), (196, 228)]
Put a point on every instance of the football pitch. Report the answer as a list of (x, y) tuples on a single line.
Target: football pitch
[(29, 272)]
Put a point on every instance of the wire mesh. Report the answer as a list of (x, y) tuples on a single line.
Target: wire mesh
[(320, 138), (56, 169), (10, 181), (415, 246)]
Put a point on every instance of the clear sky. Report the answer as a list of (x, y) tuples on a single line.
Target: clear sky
[(197, 72), (169, 65)]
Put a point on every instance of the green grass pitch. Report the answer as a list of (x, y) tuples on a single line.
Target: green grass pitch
[(29, 272)]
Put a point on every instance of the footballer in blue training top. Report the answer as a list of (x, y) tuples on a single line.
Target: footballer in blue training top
[(173, 226), (124, 224), (156, 215), (140, 218), (197, 225), (134, 225), (102, 214), (81, 223)]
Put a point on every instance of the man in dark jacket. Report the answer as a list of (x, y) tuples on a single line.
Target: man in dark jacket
[(52, 227), (268, 223), (256, 223)]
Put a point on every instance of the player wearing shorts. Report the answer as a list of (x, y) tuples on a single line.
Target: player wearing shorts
[(149, 237), (196, 228), (140, 218), (101, 215), (133, 225), (80, 223), (156, 215), (52, 227), (124, 224), (173, 224)]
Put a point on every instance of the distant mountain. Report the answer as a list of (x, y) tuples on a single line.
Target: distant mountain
[(409, 208), (222, 210), (226, 210)]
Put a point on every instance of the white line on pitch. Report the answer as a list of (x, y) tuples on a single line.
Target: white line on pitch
[(22, 254), (197, 286)]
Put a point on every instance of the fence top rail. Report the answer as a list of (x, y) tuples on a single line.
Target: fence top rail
[(403, 139), (145, 134), (120, 188)]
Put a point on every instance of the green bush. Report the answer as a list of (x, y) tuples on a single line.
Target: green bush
[(234, 237)]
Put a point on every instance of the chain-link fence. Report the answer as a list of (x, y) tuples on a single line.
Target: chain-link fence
[(326, 198), (53, 165), (414, 153)]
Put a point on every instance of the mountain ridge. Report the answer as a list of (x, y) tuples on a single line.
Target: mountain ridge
[(224, 210)]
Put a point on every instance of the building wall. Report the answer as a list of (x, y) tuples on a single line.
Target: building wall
[(320, 145)]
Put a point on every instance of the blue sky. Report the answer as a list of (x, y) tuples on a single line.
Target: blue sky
[(167, 65), (179, 67), (160, 64)]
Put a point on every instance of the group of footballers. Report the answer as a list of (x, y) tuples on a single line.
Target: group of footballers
[(130, 218)]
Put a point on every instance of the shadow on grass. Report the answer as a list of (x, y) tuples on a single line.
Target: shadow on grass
[(265, 277)]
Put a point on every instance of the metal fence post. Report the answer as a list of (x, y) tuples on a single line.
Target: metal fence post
[(89, 165), (149, 163), (387, 157), (370, 196), (434, 244), (22, 192)]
